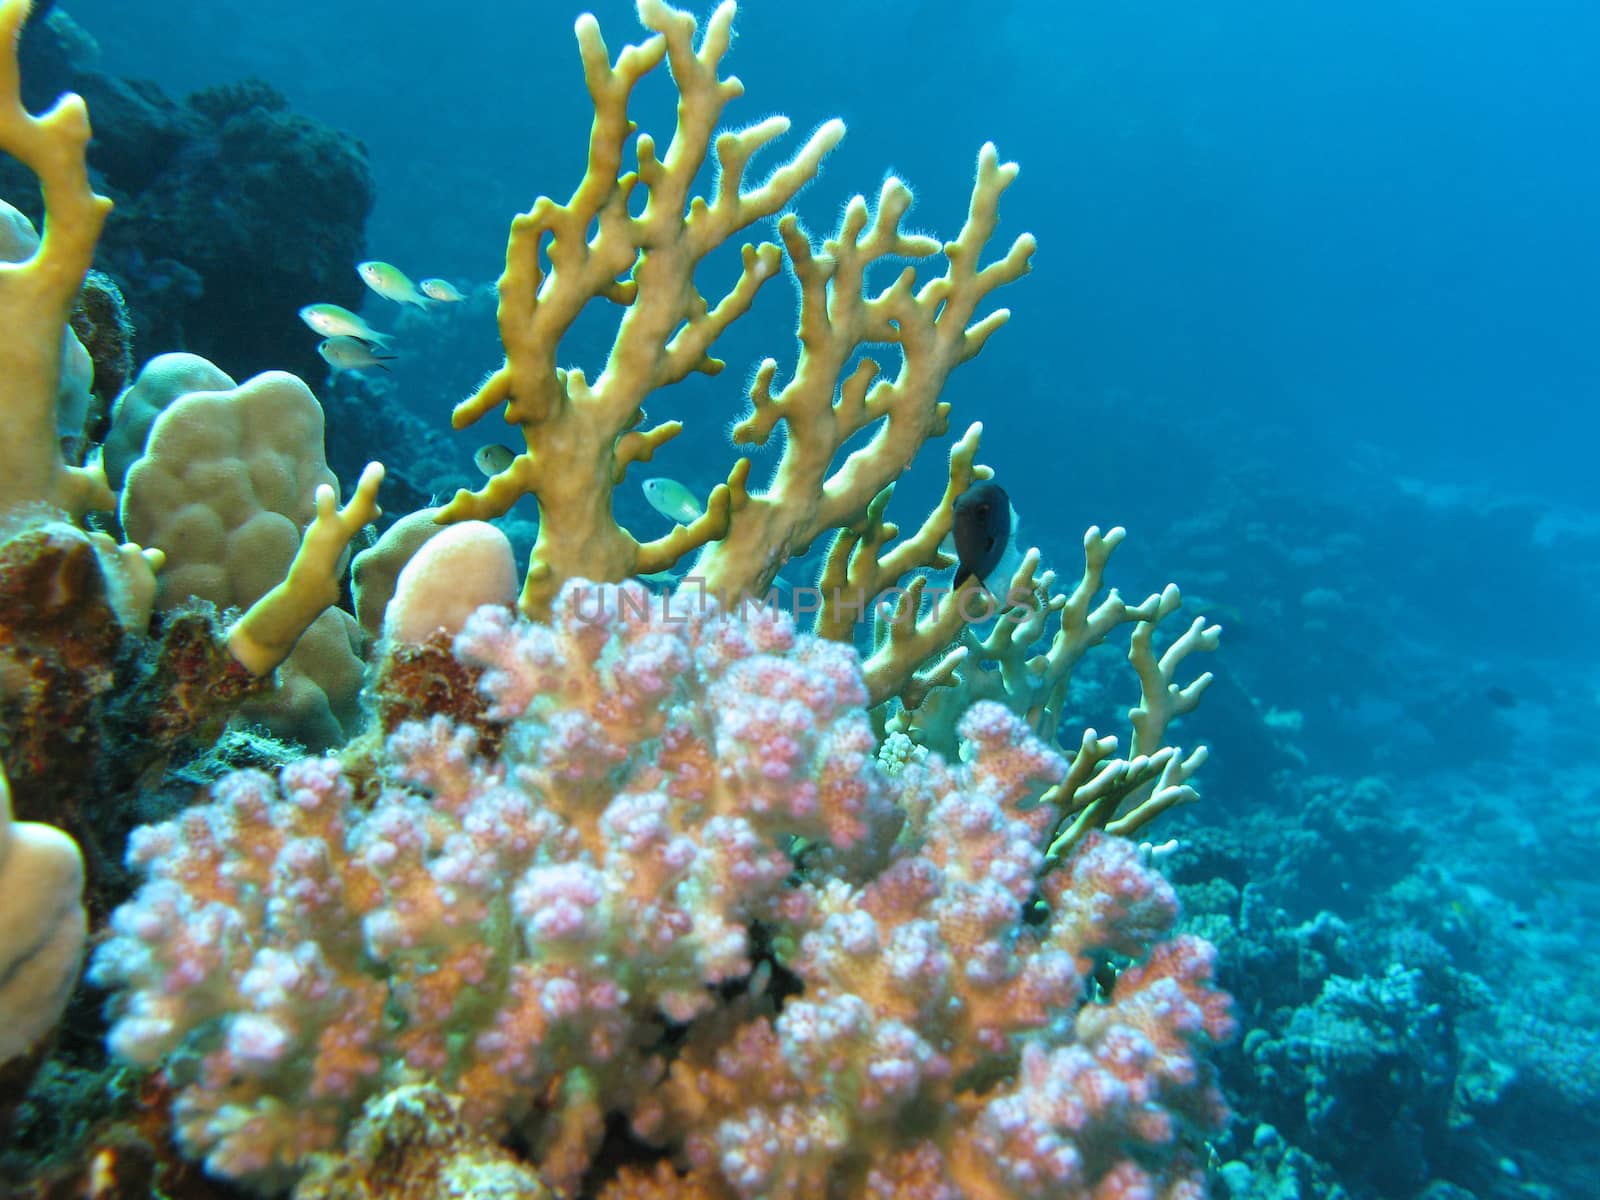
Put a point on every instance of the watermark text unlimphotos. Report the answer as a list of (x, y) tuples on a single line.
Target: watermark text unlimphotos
[(692, 599)]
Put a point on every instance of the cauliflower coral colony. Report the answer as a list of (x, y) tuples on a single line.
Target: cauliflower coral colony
[(594, 888)]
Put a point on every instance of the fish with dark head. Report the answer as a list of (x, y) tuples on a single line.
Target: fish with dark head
[(982, 530)]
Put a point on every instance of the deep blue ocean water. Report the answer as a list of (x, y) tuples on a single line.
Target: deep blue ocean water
[(1361, 223), (1313, 314)]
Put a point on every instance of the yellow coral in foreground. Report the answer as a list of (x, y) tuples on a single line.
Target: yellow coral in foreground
[(37, 294), (581, 436)]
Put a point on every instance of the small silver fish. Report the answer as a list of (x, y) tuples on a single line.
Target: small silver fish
[(390, 282), (672, 500), (332, 320), (442, 290), (351, 354), (493, 458)]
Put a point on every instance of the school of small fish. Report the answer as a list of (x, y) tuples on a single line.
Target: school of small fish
[(349, 343)]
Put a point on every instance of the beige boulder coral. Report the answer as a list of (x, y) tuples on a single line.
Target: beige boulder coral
[(42, 926), (226, 486)]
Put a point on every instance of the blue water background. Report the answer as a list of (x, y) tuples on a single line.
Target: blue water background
[(1365, 222)]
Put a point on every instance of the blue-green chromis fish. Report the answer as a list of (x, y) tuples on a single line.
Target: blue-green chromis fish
[(442, 290), (351, 354), (331, 320), (672, 500), (390, 282), (493, 458)]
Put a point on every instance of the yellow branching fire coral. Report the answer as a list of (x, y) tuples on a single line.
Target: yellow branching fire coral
[(36, 296), (582, 435)]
